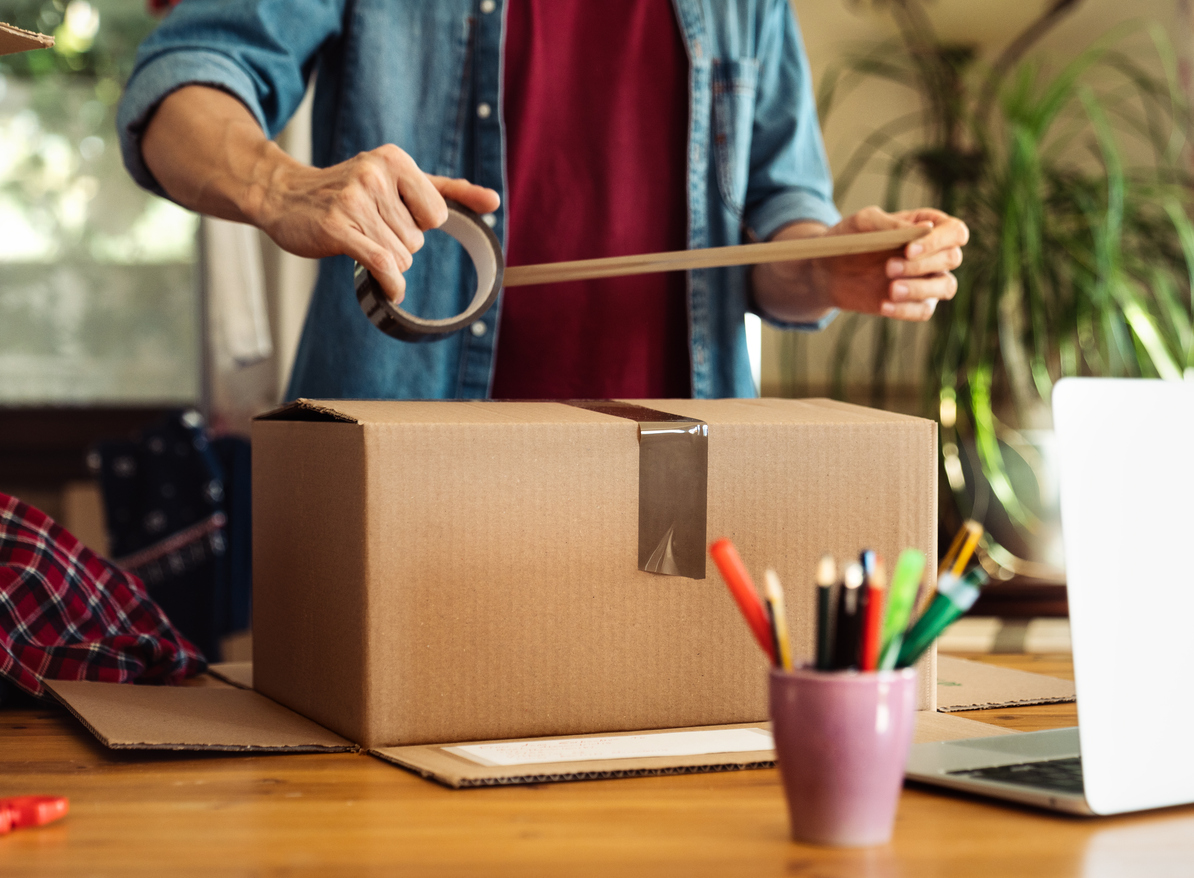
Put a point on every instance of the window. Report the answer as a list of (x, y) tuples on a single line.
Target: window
[(99, 292)]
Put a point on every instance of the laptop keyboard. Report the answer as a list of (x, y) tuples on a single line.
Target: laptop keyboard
[(1060, 775)]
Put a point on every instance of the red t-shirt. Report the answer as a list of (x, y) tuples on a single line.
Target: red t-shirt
[(596, 110)]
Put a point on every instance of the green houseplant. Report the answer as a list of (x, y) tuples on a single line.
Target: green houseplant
[(1074, 186)]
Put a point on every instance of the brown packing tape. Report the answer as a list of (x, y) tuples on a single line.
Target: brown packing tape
[(485, 251), (483, 248), (673, 487)]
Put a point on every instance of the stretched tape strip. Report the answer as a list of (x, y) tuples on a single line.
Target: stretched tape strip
[(673, 487), (482, 245), (483, 248)]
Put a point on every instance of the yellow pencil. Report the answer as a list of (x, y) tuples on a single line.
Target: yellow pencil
[(974, 534), (774, 594), (961, 548)]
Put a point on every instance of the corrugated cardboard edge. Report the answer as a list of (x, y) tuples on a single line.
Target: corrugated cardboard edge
[(433, 762), (125, 716), (15, 39), (967, 685)]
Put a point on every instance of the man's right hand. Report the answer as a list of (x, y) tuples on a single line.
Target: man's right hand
[(207, 151)]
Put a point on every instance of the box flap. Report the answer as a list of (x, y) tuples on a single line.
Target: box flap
[(125, 716), (819, 412), (14, 39), (239, 674), (966, 685), (306, 410), (823, 412), (446, 763)]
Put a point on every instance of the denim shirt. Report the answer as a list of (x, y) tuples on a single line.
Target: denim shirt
[(427, 77)]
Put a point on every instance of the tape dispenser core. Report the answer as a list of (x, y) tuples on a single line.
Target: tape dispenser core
[(483, 248)]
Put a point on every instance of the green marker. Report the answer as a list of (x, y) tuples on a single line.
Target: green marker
[(942, 613), (901, 595)]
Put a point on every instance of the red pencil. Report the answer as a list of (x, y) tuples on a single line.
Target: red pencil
[(734, 572), (872, 623)]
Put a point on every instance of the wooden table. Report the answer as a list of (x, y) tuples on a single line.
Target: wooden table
[(346, 814)]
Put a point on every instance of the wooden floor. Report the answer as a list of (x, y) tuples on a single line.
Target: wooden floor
[(342, 814)]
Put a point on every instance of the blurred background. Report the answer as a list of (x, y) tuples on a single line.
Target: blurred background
[(1056, 129)]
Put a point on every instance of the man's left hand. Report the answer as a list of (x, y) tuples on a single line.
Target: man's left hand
[(906, 286)]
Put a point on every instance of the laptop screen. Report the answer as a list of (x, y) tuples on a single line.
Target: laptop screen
[(1126, 453)]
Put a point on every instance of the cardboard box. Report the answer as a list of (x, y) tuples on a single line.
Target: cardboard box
[(433, 572)]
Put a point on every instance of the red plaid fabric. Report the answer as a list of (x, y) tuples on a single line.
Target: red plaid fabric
[(67, 614)]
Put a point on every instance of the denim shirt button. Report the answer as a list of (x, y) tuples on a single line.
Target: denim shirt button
[(489, 219), (483, 110), (479, 328), (487, 6)]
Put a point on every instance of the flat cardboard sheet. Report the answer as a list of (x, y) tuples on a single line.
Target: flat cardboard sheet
[(966, 685), (14, 39), (213, 715), (125, 716), (451, 767)]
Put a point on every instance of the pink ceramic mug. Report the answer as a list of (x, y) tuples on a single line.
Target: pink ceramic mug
[(841, 739)]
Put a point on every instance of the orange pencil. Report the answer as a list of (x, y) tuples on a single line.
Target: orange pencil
[(734, 572), (872, 623)]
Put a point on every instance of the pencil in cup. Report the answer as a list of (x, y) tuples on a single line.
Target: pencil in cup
[(945, 609), (738, 580), (773, 594), (826, 611), (905, 580), (849, 618), (872, 622), (963, 546)]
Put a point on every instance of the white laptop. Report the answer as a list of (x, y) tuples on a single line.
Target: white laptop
[(1126, 453)]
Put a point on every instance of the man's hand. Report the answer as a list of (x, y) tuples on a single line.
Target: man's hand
[(374, 207), (206, 150), (905, 287)]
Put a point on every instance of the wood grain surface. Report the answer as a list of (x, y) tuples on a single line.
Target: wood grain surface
[(712, 257), (344, 814)]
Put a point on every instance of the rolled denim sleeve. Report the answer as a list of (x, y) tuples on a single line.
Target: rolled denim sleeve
[(259, 51), (789, 178)]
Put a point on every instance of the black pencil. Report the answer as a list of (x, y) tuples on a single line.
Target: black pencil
[(849, 619), (826, 611)]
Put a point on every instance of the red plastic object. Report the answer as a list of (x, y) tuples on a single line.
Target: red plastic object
[(734, 572), (21, 812)]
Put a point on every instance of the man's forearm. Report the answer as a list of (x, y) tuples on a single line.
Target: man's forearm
[(207, 151), (793, 292)]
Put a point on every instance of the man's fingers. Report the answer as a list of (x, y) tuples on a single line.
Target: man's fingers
[(946, 235), (394, 213), (935, 263), (916, 312), (872, 219), (922, 289), (422, 199), (472, 196), (381, 262)]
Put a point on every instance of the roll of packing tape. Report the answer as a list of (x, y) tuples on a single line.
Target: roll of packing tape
[(483, 248)]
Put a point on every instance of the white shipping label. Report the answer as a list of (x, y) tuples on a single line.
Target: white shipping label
[(617, 747)]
